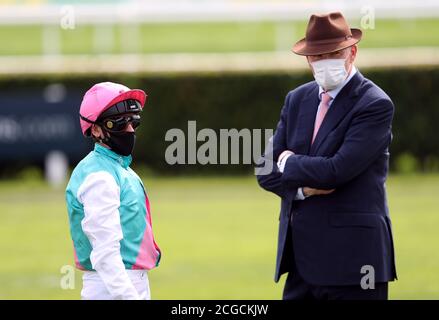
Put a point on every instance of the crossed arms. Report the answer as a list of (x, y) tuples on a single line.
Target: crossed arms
[(366, 138)]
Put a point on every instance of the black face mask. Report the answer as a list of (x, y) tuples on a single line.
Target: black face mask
[(121, 142)]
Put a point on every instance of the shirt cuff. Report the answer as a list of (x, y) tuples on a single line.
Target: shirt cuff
[(281, 164), (300, 195)]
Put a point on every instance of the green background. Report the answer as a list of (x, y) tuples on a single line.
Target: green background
[(218, 237), (210, 37)]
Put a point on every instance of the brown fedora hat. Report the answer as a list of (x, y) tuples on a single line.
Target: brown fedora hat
[(326, 33)]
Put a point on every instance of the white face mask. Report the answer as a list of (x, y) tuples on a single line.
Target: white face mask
[(329, 73)]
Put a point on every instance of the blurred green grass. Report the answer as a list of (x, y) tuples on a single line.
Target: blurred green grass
[(210, 37), (218, 236)]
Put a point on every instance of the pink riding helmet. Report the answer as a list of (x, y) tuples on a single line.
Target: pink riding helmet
[(102, 96)]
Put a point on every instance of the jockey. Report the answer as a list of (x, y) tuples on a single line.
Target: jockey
[(108, 207)]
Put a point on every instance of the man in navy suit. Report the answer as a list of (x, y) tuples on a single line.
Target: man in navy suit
[(329, 159)]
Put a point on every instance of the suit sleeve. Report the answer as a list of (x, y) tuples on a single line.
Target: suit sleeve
[(99, 195), (366, 139), (268, 175)]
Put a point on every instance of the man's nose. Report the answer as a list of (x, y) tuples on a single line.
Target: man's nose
[(129, 128)]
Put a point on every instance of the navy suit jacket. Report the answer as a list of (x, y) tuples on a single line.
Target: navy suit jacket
[(335, 235)]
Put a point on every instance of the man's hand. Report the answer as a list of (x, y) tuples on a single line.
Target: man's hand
[(307, 192), (282, 160)]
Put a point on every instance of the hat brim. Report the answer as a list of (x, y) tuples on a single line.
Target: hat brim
[(303, 48), (135, 94)]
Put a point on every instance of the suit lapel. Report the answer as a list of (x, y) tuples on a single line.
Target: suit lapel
[(305, 123), (338, 109)]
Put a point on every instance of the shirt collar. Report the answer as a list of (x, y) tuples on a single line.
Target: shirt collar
[(334, 92), (124, 161)]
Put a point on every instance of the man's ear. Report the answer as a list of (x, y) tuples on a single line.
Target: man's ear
[(351, 57), (96, 131), (354, 50)]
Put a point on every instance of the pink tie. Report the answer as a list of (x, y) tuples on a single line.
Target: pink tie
[(323, 109)]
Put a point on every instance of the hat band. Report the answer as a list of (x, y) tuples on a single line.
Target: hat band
[(312, 43)]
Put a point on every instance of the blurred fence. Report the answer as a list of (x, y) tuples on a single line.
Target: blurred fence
[(189, 63), (140, 11)]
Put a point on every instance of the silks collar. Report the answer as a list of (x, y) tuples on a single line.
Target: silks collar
[(124, 161)]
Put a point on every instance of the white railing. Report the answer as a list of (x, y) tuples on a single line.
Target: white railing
[(211, 11)]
